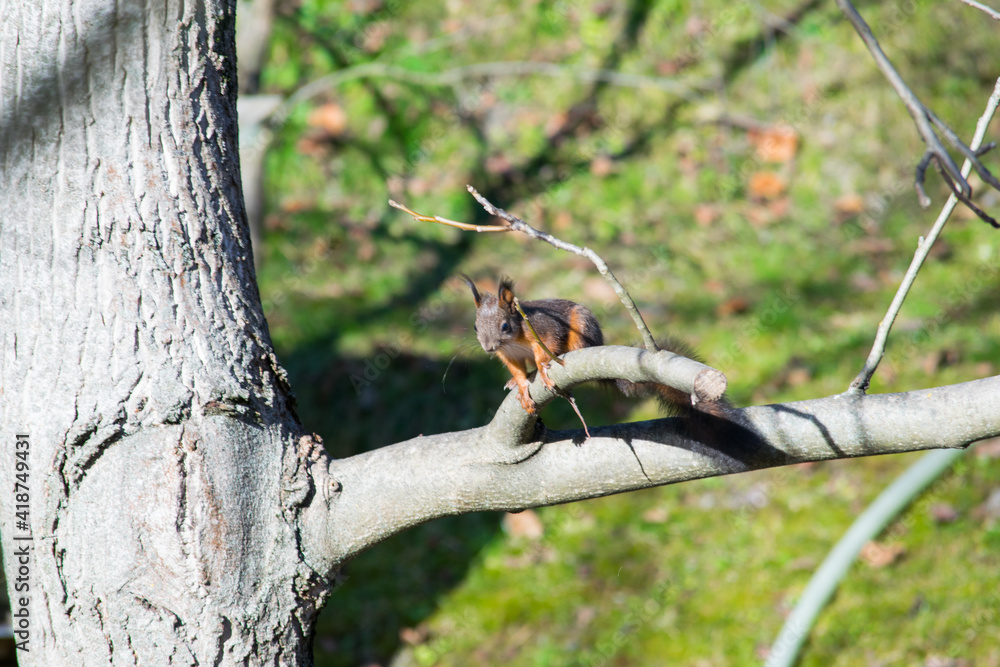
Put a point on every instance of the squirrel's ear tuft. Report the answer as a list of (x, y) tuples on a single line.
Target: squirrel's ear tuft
[(472, 286), (506, 292)]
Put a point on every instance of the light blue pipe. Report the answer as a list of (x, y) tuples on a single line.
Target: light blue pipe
[(866, 527)]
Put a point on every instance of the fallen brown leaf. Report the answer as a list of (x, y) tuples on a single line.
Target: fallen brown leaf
[(706, 214), (563, 221), (943, 513), (775, 144), (849, 204), (601, 166), (798, 376), (414, 636), (877, 555), (329, 117), (766, 185), (655, 515), (988, 449), (497, 164), (732, 306), (523, 524)]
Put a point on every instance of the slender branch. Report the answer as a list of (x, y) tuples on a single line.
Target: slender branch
[(456, 75), (992, 13), (452, 77), (451, 223), (572, 403), (983, 215), (861, 382), (520, 225), (926, 122), (538, 339), (387, 490), (534, 334), (516, 224)]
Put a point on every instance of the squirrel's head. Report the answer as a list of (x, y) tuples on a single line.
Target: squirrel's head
[(497, 320)]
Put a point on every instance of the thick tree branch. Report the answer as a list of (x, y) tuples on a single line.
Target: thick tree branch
[(366, 498), (512, 425)]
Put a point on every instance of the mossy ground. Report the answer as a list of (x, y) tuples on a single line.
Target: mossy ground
[(780, 288)]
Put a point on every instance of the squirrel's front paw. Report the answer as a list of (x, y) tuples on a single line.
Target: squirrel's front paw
[(510, 384), (545, 377), (526, 401)]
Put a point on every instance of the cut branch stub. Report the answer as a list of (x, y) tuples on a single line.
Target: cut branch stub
[(702, 382), (709, 385)]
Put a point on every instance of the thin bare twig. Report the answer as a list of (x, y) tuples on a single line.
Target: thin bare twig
[(704, 383), (926, 123), (572, 402), (450, 78), (451, 223), (860, 383), (568, 395), (516, 224), (992, 13), (519, 225), (983, 215), (538, 339)]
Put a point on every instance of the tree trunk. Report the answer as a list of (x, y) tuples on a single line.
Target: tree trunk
[(143, 415), (160, 502)]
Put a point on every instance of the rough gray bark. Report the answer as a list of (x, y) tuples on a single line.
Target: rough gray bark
[(178, 513), (135, 354)]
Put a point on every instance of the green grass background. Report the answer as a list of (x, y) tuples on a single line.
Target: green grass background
[(782, 294)]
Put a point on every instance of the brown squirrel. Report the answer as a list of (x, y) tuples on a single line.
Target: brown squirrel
[(563, 326)]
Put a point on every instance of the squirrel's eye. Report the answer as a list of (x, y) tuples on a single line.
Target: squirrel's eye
[(475, 328), (505, 327)]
